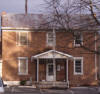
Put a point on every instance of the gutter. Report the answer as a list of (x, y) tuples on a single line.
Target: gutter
[(95, 57)]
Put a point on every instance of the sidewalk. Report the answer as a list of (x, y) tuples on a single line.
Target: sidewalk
[(21, 89), (32, 90)]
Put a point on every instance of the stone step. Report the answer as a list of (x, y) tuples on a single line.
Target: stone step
[(61, 83), (52, 84)]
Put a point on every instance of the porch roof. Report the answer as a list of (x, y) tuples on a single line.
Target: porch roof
[(52, 54)]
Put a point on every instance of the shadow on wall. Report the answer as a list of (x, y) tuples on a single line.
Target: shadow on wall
[(36, 45)]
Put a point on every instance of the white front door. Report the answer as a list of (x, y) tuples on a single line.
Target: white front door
[(50, 72)]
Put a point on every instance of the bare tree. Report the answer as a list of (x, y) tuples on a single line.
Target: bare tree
[(92, 6), (74, 15)]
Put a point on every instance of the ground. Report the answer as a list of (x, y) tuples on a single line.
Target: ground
[(31, 90)]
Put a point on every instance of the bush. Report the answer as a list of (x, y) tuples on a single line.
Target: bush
[(23, 82)]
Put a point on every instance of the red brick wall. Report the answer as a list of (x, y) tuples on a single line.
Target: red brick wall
[(61, 74), (37, 44)]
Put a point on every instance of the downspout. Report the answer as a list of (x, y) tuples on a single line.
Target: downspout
[(67, 73), (95, 57), (99, 63), (54, 60)]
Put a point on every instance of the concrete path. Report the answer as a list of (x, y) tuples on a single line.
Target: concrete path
[(31, 90)]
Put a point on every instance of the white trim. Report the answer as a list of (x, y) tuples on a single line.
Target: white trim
[(95, 58), (46, 71), (19, 65), (54, 68), (12, 83), (22, 57), (80, 58), (18, 33), (67, 79), (37, 70), (53, 38), (21, 28), (47, 65), (66, 70), (67, 55)]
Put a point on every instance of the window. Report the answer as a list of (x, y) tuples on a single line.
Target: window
[(50, 39), (22, 38), (23, 66), (78, 66), (78, 39)]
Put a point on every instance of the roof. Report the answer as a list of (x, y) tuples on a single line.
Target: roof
[(23, 20), (52, 54), (38, 21)]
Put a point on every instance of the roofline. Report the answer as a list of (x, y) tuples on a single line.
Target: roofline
[(31, 29), (26, 28), (36, 56)]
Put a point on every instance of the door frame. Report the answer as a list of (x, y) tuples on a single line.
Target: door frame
[(47, 71)]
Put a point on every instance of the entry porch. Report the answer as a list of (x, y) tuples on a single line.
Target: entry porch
[(52, 68)]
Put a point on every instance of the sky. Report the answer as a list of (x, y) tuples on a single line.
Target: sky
[(18, 6)]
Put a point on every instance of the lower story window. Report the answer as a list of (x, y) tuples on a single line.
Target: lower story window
[(23, 65), (78, 66)]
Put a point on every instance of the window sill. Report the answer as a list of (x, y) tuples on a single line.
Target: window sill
[(77, 45), (22, 45), (21, 74), (78, 74)]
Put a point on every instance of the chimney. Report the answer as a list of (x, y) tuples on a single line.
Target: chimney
[(3, 13), (26, 7)]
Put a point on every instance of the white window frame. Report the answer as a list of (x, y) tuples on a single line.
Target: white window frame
[(19, 73), (78, 45), (47, 37), (80, 58), (18, 38)]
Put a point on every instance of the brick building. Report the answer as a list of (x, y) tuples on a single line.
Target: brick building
[(27, 53)]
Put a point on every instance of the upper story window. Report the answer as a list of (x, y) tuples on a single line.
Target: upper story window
[(22, 38), (78, 66), (23, 66), (50, 39), (78, 39)]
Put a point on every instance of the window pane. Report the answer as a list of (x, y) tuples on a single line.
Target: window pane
[(50, 70), (78, 63), (22, 65), (78, 70), (78, 39), (23, 38), (78, 66), (50, 39)]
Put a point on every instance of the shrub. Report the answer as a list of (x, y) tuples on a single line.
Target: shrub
[(23, 82)]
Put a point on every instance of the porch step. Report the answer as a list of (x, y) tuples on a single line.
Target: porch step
[(52, 85)]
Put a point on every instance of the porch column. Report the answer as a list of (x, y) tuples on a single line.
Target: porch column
[(37, 70), (67, 72), (54, 68)]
